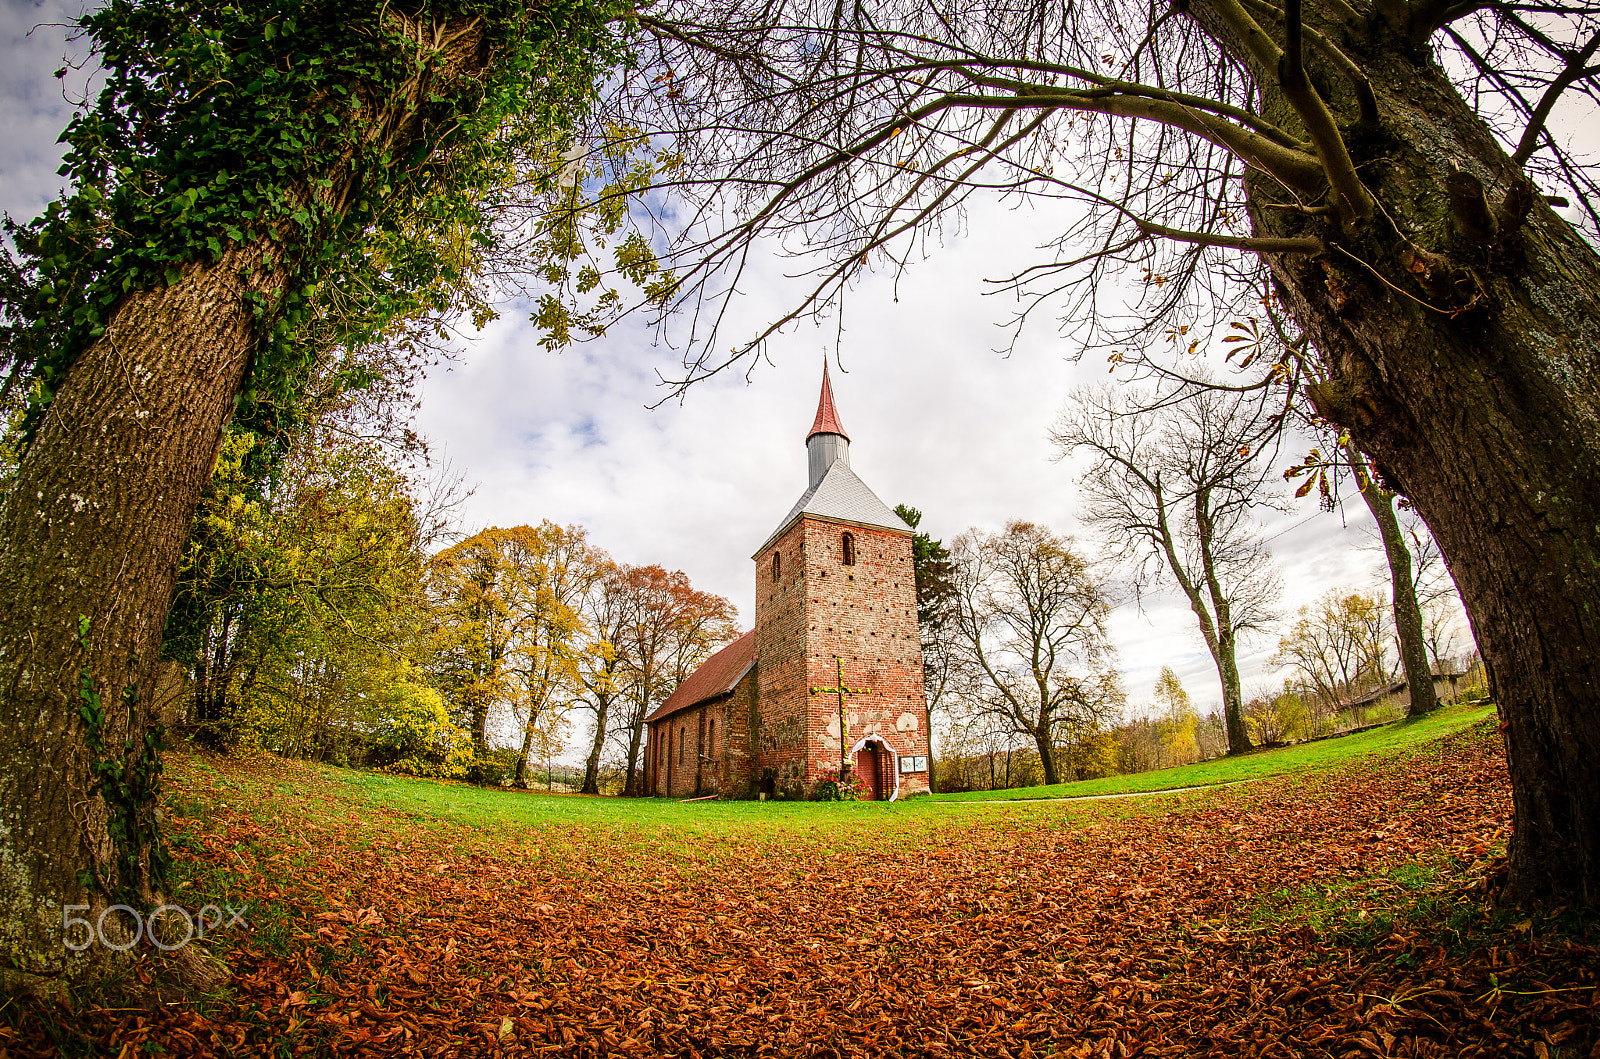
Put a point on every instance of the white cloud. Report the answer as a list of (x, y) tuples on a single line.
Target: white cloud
[(33, 41)]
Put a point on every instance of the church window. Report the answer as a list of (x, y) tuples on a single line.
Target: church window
[(711, 736), (849, 549), (777, 566), (682, 734)]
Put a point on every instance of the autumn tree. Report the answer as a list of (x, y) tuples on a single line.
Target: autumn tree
[(1179, 720), (476, 595), (513, 611), (262, 558), (334, 623), (671, 628), (601, 668), (1389, 171), (1030, 616), (1172, 491), (555, 571)]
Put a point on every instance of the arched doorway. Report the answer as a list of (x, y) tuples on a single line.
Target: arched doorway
[(877, 767)]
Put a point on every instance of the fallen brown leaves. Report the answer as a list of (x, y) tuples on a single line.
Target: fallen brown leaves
[(1257, 921)]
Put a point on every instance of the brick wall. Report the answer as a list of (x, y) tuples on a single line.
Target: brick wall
[(705, 750), (679, 740), (734, 755), (782, 675), (821, 609)]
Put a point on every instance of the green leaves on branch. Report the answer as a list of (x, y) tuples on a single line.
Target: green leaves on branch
[(340, 158), (581, 207)]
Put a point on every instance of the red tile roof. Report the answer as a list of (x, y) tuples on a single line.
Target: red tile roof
[(717, 675), (827, 421)]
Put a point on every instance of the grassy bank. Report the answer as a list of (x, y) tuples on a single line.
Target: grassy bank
[(1386, 741)]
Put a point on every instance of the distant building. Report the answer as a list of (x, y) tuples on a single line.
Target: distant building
[(836, 619), (1399, 691)]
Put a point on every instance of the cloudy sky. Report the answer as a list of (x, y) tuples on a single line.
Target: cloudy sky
[(937, 419)]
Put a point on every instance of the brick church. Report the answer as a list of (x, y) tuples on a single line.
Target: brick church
[(832, 671)]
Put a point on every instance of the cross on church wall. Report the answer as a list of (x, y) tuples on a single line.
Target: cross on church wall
[(844, 723)]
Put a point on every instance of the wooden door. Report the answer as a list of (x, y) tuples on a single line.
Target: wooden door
[(870, 772)]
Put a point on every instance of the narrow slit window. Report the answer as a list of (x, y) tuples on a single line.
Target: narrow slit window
[(849, 549), (777, 566), (711, 737), (682, 735)]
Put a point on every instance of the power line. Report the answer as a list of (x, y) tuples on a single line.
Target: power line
[(1296, 526)]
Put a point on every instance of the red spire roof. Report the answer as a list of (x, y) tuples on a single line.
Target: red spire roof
[(827, 421)]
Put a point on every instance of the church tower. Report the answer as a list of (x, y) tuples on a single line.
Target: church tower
[(840, 657)]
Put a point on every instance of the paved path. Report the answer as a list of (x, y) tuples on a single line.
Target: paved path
[(1096, 797)]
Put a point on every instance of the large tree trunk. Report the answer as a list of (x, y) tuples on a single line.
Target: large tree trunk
[(1407, 612), (591, 769), (1226, 657), (90, 539), (478, 721), (635, 738), (1221, 642), (1482, 406), (91, 535), (1047, 757)]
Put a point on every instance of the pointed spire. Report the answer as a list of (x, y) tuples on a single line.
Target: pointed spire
[(827, 421)]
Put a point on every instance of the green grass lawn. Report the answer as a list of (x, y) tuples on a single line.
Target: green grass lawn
[(641, 823), (375, 811), (1325, 753)]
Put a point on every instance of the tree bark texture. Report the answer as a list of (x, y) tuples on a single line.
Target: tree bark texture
[(478, 716), (90, 540), (1226, 657), (634, 784), (91, 536), (1407, 612), (1047, 757), (1470, 371), (591, 769)]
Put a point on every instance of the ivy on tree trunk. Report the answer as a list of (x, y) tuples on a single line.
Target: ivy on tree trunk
[(231, 183)]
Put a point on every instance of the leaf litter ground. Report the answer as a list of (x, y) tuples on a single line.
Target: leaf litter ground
[(1347, 913)]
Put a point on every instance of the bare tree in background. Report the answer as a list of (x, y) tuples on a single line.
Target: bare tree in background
[(1172, 488), (1436, 593), (1407, 611), (1031, 618), (1336, 646), (1380, 161)]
